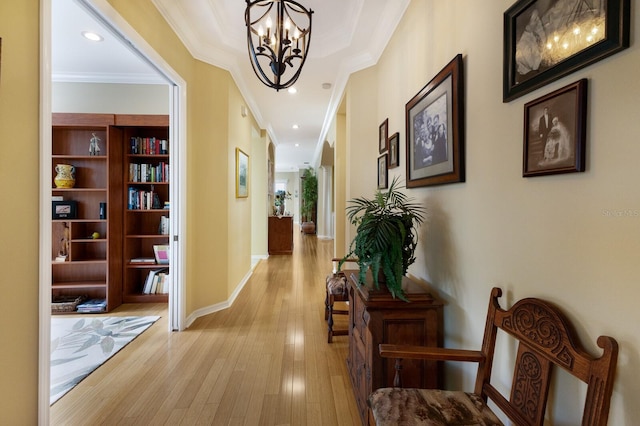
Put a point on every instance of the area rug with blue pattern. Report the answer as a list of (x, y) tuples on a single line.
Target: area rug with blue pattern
[(79, 345)]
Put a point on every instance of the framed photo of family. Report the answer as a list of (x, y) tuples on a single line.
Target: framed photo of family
[(434, 120), (548, 39), (555, 132)]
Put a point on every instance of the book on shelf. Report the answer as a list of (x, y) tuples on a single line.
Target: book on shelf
[(163, 227), (139, 199), (161, 253), (92, 306), (141, 260), (156, 282), (149, 172), (148, 146)]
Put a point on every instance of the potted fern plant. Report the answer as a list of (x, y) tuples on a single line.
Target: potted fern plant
[(309, 200), (386, 236)]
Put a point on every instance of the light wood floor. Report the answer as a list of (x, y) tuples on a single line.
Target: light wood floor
[(263, 361)]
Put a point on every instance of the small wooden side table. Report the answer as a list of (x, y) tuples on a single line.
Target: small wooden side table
[(280, 235), (374, 318)]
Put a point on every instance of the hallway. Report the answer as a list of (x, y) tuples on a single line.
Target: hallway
[(263, 361)]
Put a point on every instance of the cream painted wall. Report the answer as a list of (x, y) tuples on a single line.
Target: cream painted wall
[(19, 148), (214, 129), (239, 215), (110, 98), (259, 194), (573, 239)]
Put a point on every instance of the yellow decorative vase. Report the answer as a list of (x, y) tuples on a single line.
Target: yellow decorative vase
[(66, 177)]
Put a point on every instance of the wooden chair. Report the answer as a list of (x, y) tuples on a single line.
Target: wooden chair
[(336, 291), (546, 339)]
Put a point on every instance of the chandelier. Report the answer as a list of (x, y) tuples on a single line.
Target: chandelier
[(278, 37)]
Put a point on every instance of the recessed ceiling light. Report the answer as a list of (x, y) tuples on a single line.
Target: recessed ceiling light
[(297, 145), (292, 90), (326, 86), (295, 126), (92, 36)]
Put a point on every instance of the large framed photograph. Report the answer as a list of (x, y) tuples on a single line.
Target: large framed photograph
[(548, 39), (383, 170), (435, 129), (383, 136), (394, 149), (242, 174), (555, 132)]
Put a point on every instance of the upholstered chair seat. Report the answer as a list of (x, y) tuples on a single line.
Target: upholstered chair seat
[(432, 407)]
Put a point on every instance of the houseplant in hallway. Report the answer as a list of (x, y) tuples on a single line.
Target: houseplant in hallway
[(386, 236), (309, 200)]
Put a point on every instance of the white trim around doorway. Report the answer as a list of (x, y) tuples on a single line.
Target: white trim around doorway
[(178, 113)]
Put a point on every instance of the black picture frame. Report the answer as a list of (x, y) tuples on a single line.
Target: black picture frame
[(64, 209), (546, 40), (434, 120), (383, 172), (556, 144), (394, 150), (383, 136)]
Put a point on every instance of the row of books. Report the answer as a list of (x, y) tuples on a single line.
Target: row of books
[(148, 146), (139, 199), (149, 172), (157, 282), (163, 228), (92, 306)]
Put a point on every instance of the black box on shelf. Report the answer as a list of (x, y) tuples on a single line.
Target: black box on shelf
[(64, 209)]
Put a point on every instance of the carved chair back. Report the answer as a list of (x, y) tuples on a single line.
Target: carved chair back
[(545, 339)]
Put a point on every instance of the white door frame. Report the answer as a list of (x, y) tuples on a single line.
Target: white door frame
[(102, 10)]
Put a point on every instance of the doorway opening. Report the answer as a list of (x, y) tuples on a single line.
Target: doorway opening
[(104, 13)]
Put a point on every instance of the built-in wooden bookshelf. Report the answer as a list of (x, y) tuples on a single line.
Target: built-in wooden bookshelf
[(146, 200), (86, 252), (94, 244)]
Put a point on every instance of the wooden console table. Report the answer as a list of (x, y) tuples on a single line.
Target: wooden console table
[(375, 318), (280, 234)]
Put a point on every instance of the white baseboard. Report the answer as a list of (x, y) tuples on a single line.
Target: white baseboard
[(218, 306)]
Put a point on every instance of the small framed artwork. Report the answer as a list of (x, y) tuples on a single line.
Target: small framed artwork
[(242, 174), (383, 136), (555, 132), (64, 210), (383, 172), (161, 253), (435, 129), (548, 39), (394, 146)]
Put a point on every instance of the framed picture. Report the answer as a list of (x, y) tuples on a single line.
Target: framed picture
[(242, 174), (394, 146), (161, 253), (555, 132), (383, 172), (64, 209), (383, 136), (435, 129), (548, 39)]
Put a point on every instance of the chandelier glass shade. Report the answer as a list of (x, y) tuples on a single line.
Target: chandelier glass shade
[(278, 38)]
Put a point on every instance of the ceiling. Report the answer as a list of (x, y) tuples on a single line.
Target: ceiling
[(347, 36)]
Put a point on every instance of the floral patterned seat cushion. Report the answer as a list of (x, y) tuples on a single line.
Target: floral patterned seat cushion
[(405, 407), (336, 284)]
